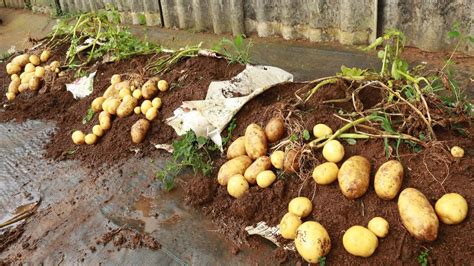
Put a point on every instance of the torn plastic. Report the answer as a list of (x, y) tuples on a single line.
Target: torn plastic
[(82, 87), (269, 232), (208, 117)]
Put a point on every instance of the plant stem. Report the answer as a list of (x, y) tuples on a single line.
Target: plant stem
[(313, 144)]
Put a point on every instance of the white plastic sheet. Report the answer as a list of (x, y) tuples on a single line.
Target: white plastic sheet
[(82, 87)]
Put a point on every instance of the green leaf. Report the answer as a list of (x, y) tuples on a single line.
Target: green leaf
[(453, 34), (293, 138), (306, 135), (381, 54), (351, 141), (322, 261), (89, 116)]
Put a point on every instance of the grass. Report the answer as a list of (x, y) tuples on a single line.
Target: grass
[(89, 115), (236, 50), (423, 257)]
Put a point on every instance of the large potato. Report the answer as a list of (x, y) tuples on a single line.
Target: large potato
[(13, 68), (255, 141), (236, 148), (261, 164), (354, 177), (288, 225), (418, 215), (96, 104), (139, 130), (291, 162), (360, 241), (111, 92), (126, 106), (149, 89), (13, 86), (275, 129), (451, 208), (312, 241), (34, 59), (34, 83), (110, 105), (236, 166), (388, 180), (21, 60)]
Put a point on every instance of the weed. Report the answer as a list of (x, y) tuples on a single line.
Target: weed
[(306, 135), (322, 261), (423, 257), (141, 19), (232, 125), (236, 50), (89, 115), (80, 73), (165, 61)]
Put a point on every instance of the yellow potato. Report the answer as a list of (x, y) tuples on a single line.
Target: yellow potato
[(90, 139), (152, 113), (288, 225), (10, 96), (379, 226), (54, 65), (96, 104), (45, 55), (21, 60), (259, 165), (235, 166), (291, 163), (139, 130), (126, 106), (13, 68), (321, 130), (111, 92), (163, 85), (312, 241), (156, 102), (237, 186), (333, 151), (275, 129), (123, 92), (417, 215), (360, 241), (388, 180), (34, 83), (105, 123), (34, 59), (122, 85), (457, 152), (13, 86), (300, 206), (98, 130), (265, 179), (255, 141), (78, 137), (236, 148), (115, 79), (354, 177), (39, 71), (15, 77), (326, 173), (137, 110), (451, 208), (137, 94), (149, 89), (146, 104), (277, 158), (111, 105), (23, 87), (27, 77), (29, 68)]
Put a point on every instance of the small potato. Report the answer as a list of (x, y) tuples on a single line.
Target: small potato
[(237, 165), (457, 152), (451, 208), (388, 180), (21, 60), (326, 173), (261, 164), (34, 83), (122, 85), (360, 241), (126, 106), (275, 129), (111, 92), (137, 110), (98, 130), (149, 89), (156, 102), (10, 96), (78, 137), (45, 55), (354, 177), (123, 92), (27, 77), (300, 206), (379, 226), (152, 113), (321, 130), (105, 123), (39, 71), (13, 86), (277, 158), (163, 85), (54, 65), (13, 68), (255, 141), (96, 104), (139, 130), (15, 77), (265, 179), (291, 163), (237, 186), (333, 151), (137, 94), (146, 104), (115, 79), (111, 105), (417, 215), (236, 148), (90, 139), (29, 68), (23, 87), (312, 241), (34, 59), (288, 225)]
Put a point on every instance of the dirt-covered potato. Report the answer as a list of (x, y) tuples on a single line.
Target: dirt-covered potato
[(457, 152), (388, 180), (21, 60), (13, 86), (34, 59), (146, 104), (10, 96), (78, 137), (312, 241), (126, 106), (13, 68), (237, 186), (34, 83), (163, 85), (265, 178), (379, 226), (333, 151), (45, 55), (137, 110), (255, 141), (451, 208), (235, 166), (326, 173), (39, 71), (110, 105), (300, 206), (149, 89), (288, 225), (156, 102), (275, 129), (259, 165), (360, 241), (354, 177), (98, 130), (236, 148), (291, 162), (115, 79), (417, 215), (90, 139), (152, 113), (54, 65), (277, 158), (137, 94), (139, 130), (321, 130)]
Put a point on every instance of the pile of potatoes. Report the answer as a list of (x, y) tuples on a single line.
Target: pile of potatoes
[(361, 241), (27, 72), (122, 99)]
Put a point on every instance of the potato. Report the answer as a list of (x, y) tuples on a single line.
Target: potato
[(300, 206), (237, 165), (288, 225), (354, 177), (54, 65), (321, 130), (27, 77), (115, 79), (277, 159), (23, 87), (29, 68), (34, 83), (156, 102), (388, 180), (137, 94), (275, 129), (236, 148), (123, 92), (126, 106), (146, 104), (312, 241), (333, 151), (237, 186), (111, 92), (45, 55), (379, 226), (90, 139), (39, 71), (13, 86), (13, 68), (96, 104), (111, 105), (261, 164), (265, 179), (10, 96), (255, 141), (34, 59), (149, 89), (152, 113), (21, 60), (137, 110), (15, 77), (139, 130), (417, 215), (457, 152), (291, 163), (163, 85), (78, 137), (451, 208), (360, 241), (98, 130), (106, 122), (326, 173), (122, 85)]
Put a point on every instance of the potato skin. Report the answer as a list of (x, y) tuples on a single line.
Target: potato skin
[(266, 178), (312, 241), (236, 148), (126, 106), (275, 129), (149, 89), (360, 241), (238, 165), (388, 180), (291, 163), (261, 164), (96, 104), (255, 141), (139, 130), (354, 177), (451, 208), (288, 225), (300, 206), (237, 186), (417, 215)]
